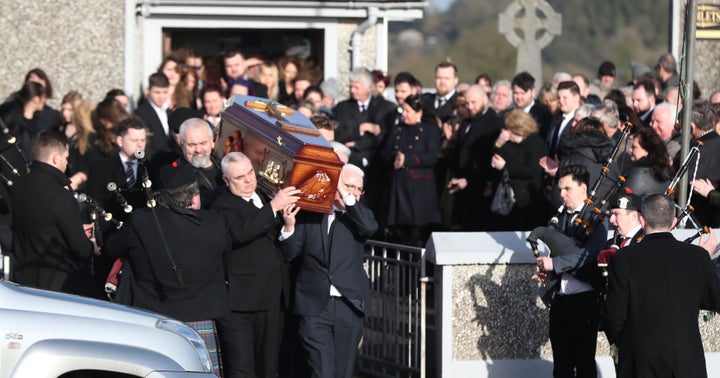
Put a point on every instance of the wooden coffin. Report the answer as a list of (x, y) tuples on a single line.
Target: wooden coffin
[(285, 147)]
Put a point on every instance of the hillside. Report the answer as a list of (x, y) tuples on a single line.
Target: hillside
[(592, 31)]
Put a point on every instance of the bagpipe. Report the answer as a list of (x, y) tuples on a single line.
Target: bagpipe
[(593, 213), (97, 212), (687, 214), (145, 178), (11, 145)]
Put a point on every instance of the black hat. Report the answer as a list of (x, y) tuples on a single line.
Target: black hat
[(177, 175), (607, 68), (180, 115), (626, 201)]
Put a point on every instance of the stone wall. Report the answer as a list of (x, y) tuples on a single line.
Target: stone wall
[(78, 43), (497, 315), (345, 30)]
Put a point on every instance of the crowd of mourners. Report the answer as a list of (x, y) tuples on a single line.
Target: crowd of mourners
[(88, 184)]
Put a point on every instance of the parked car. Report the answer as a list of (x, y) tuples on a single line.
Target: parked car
[(48, 334)]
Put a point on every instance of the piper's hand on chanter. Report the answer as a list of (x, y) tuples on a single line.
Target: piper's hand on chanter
[(88, 228), (708, 242), (544, 263), (541, 277)]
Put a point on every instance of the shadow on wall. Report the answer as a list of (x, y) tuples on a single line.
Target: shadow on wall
[(513, 322)]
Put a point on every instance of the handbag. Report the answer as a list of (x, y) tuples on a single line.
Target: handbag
[(504, 198)]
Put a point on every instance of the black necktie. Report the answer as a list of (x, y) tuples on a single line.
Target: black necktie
[(569, 220), (129, 174), (441, 102), (362, 108)]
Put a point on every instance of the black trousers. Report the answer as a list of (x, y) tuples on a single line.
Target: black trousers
[(574, 323), (250, 343), (331, 339)]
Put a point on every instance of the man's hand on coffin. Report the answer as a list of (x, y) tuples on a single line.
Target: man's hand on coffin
[(284, 197)]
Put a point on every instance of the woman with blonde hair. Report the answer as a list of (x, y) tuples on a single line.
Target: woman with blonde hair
[(518, 149), (78, 128), (269, 75)]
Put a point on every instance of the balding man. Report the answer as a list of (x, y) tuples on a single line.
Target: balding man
[(196, 144), (663, 122), (469, 165)]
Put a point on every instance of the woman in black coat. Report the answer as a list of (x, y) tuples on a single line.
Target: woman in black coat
[(518, 149), (651, 171), (409, 153)]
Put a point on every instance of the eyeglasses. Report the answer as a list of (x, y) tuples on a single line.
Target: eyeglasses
[(357, 189)]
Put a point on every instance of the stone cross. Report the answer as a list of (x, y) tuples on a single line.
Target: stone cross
[(538, 24)]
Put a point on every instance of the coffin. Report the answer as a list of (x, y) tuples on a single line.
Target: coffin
[(285, 148)]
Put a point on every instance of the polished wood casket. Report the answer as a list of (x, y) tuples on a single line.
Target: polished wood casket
[(285, 148)]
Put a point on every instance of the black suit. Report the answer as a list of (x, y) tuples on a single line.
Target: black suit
[(445, 112), (656, 288), (158, 141), (112, 169), (349, 118), (709, 168), (259, 289), (331, 327), (470, 159), (575, 313), (51, 250), (554, 136)]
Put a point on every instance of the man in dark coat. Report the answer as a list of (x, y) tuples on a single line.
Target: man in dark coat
[(708, 167), (51, 251), (176, 253), (361, 120), (257, 273), (469, 162), (656, 288), (332, 293)]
